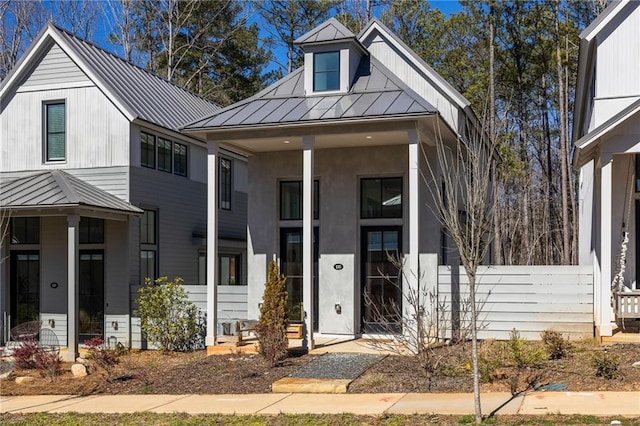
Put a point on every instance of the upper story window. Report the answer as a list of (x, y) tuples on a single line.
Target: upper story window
[(381, 198), (55, 131), (91, 230), (164, 155), (148, 150), (291, 200), (326, 71), (171, 156), (148, 227), (25, 230), (179, 159), (148, 246), (225, 184)]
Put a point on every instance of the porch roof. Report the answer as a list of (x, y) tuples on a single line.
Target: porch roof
[(55, 189), (375, 93)]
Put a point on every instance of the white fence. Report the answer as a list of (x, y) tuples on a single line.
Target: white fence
[(530, 299)]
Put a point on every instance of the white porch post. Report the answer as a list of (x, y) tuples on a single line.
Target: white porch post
[(604, 305), (307, 241), (73, 291), (212, 242), (413, 274)]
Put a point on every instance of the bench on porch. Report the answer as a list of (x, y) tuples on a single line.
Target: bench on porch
[(626, 304), (32, 331)]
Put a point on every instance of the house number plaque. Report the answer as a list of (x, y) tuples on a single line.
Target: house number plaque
[(338, 266)]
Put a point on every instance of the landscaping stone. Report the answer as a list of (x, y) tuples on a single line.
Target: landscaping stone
[(6, 368), (636, 364), (24, 379), (83, 361), (78, 370)]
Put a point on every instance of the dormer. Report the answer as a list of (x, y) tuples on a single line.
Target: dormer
[(332, 54)]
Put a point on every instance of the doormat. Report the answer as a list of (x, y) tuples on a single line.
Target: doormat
[(330, 373)]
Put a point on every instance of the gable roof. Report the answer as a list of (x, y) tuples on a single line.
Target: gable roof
[(55, 188), (376, 92), (138, 93), (328, 31)]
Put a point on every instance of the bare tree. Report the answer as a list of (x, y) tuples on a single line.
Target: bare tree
[(120, 20), (77, 17), (461, 189), (20, 22)]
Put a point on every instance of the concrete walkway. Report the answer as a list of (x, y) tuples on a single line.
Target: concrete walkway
[(587, 403)]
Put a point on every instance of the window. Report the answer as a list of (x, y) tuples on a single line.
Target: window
[(326, 71), (91, 230), (381, 198), (164, 155), (25, 230), (179, 159), (225, 184), (148, 245), (291, 200), (55, 131), (202, 267), (148, 150), (229, 266)]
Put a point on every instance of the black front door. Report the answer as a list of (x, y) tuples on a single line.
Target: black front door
[(291, 267), (91, 301), (381, 279), (25, 286)]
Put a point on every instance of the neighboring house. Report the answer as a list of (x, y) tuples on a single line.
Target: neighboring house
[(103, 190), (606, 134), (336, 165)]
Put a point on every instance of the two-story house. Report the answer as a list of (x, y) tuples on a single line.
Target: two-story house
[(338, 154), (102, 190), (606, 134)]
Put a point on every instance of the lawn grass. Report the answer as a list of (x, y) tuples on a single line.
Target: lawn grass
[(75, 419)]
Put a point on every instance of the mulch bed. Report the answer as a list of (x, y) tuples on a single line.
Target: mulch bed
[(194, 373)]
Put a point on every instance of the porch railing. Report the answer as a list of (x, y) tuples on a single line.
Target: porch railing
[(627, 304)]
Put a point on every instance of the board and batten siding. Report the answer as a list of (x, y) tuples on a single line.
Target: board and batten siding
[(55, 67), (530, 299), (90, 142), (416, 80), (232, 304)]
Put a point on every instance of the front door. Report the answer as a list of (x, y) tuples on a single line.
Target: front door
[(291, 267), (91, 301), (25, 286), (381, 279)]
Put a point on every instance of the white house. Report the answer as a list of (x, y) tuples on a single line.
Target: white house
[(335, 174), (103, 191), (606, 133)]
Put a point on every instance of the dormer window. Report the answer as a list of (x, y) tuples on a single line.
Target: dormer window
[(326, 71)]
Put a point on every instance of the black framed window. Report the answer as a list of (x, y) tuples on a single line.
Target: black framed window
[(148, 245), (25, 230), (148, 265), (164, 155), (291, 200), (326, 71), (147, 150), (225, 183), (55, 134), (179, 159), (91, 230), (148, 227), (381, 198), (229, 267)]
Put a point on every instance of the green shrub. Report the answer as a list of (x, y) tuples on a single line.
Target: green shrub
[(522, 353), (491, 358), (606, 365), (167, 317), (556, 346), (272, 330)]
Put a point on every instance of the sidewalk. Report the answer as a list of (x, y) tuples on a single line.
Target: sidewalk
[(586, 403)]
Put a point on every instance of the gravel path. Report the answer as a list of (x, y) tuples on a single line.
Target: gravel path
[(337, 366)]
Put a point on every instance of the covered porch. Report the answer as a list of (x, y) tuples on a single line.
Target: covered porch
[(65, 258)]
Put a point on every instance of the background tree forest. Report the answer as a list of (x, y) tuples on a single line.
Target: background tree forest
[(515, 61)]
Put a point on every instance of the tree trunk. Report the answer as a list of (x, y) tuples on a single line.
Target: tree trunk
[(474, 347), (497, 237)]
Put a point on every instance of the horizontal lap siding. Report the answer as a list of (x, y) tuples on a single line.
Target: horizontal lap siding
[(122, 332), (530, 299), (58, 324)]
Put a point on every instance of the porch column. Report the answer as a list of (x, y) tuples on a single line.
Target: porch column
[(603, 308), (413, 273), (307, 241), (73, 291), (212, 242)]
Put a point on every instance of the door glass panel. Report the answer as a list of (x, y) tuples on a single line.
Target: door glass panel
[(382, 283), (91, 301), (25, 287)]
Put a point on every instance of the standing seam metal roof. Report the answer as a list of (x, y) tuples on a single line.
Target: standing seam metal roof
[(55, 188), (375, 92)]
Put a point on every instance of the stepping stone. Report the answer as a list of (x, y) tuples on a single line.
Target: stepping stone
[(330, 373)]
